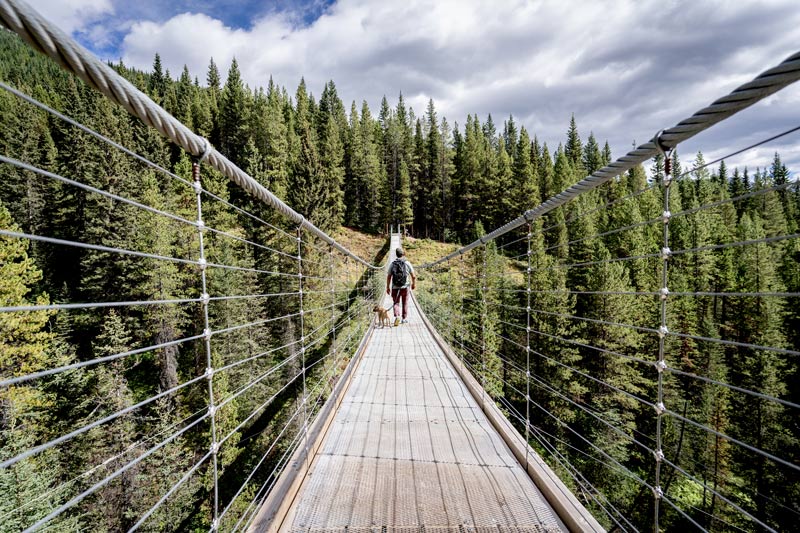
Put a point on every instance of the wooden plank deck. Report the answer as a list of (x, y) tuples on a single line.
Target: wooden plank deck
[(411, 449)]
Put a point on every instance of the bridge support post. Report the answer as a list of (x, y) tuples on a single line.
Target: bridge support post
[(204, 297)]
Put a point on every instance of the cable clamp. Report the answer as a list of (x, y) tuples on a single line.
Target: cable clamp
[(205, 298), (215, 524), (660, 408), (666, 253), (198, 188), (662, 331), (200, 224), (202, 262), (207, 149), (664, 292), (207, 334), (212, 410), (659, 455), (209, 372), (661, 366), (666, 216), (658, 141), (658, 493)]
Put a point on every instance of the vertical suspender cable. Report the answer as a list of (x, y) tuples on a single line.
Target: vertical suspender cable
[(333, 311), (528, 350), (302, 336), (461, 297), (484, 318), (661, 364), (198, 189)]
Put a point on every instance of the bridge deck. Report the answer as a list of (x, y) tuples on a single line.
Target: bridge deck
[(410, 448)]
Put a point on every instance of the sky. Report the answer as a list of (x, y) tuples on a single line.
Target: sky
[(625, 69)]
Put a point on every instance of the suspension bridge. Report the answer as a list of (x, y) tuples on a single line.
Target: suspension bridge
[(433, 425)]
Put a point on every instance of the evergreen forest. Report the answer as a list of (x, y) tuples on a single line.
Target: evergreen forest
[(365, 170)]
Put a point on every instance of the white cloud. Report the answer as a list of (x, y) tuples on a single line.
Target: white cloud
[(626, 69), (73, 15)]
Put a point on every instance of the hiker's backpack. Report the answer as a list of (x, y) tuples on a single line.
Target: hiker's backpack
[(399, 273)]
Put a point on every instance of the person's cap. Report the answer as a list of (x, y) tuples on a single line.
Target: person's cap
[(400, 252)]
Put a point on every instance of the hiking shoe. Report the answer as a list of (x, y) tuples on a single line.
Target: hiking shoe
[(404, 321), (396, 321)]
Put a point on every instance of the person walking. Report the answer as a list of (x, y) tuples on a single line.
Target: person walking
[(401, 276)]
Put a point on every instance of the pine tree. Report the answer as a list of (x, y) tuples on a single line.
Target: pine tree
[(157, 87), (233, 116), (25, 347), (573, 149), (592, 158), (525, 189)]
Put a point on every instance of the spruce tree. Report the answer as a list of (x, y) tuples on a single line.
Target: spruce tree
[(525, 190), (233, 116)]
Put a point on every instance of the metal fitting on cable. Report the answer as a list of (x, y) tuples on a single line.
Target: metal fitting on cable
[(214, 448), (666, 253), (665, 217), (205, 298), (202, 262), (663, 331), (206, 334), (658, 493), (209, 372), (198, 188), (665, 151), (661, 366), (659, 455), (664, 292), (212, 410), (200, 224), (660, 408)]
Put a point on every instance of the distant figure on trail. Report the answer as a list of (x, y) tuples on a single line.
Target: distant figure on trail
[(401, 276)]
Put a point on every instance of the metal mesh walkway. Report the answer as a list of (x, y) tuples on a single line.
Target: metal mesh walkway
[(410, 448)]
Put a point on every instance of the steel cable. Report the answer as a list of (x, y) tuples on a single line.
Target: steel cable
[(51, 41)]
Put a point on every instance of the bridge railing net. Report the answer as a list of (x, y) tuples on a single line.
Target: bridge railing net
[(643, 339), (166, 340)]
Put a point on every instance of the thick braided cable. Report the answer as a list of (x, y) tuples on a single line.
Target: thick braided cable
[(52, 42), (767, 83)]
